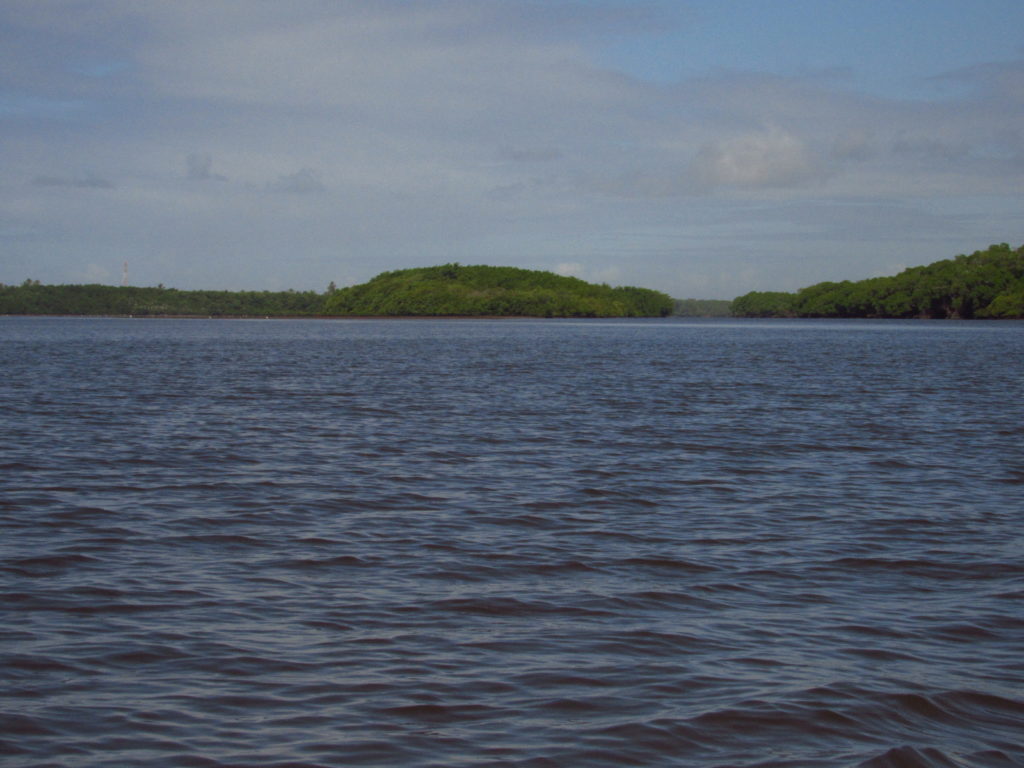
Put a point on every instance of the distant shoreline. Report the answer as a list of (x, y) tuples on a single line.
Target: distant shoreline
[(779, 319), (448, 291), (326, 317)]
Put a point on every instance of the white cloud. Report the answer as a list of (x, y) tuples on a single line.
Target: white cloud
[(303, 182), (768, 158), (199, 167), (854, 145), (569, 269), (611, 275), (365, 136)]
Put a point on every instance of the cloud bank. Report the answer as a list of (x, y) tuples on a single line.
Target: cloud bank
[(351, 137)]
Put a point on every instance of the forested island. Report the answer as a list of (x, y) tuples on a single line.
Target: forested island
[(453, 289), (986, 284), (447, 290)]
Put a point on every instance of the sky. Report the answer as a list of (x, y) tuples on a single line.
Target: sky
[(705, 148)]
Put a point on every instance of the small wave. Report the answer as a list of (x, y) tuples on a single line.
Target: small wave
[(931, 568), (669, 563), (334, 626), (872, 630), (660, 737), (218, 538), (909, 757), (23, 725), (965, 631), (920, 706), (88, 608), (661, 599), (759, 661), (154, 654), (560, 679), (469, 573), (36, 664), (524, 521), (304, 563), (572, 706), (46, 565), (510, 606), (987, 706), (20, 466), (569, 566), (657, 643), (242, 665), (440, 713), (878, 654), (992, 758)]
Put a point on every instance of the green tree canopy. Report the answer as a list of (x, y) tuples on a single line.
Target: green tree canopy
[(32, 298), (454, 289), (987, 283)]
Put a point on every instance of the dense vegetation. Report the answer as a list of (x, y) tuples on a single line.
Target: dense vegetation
[(31, 298), (987, 283), (453, 289), (701, 308)]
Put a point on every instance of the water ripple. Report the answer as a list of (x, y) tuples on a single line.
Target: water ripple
[(511, 544)]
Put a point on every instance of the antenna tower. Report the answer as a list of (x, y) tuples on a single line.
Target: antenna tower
[(124, 275)]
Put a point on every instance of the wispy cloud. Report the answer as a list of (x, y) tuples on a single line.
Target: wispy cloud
[(390, 134), (768, 158), (88, 181), (303, 182), (530, 154), (199, 167)]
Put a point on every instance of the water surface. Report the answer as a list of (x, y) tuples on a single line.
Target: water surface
[(511, 543)]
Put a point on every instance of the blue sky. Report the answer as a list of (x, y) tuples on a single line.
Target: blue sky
[(884, 47), (702, 148)]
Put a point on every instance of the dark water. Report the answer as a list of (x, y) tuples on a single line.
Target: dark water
[(472, 543)]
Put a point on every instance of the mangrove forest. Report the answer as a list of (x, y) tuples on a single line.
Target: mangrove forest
[(32, 298), (447, 290), (456, 290), (985, 284)]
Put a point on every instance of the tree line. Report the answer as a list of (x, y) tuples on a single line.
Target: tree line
[(32, 298), (985, 284), (457, 290), (450, 289)]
